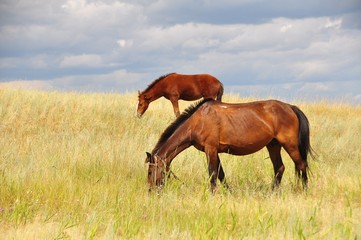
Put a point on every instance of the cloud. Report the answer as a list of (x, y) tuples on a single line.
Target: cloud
[(314, 91), (87, 43), (116, 81), (250, 48), (244, 11), (84, 60)]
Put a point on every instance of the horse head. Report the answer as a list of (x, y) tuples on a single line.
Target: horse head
[(143, 103), (156, 171)]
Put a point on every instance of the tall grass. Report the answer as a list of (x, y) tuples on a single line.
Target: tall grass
[(72, 167)]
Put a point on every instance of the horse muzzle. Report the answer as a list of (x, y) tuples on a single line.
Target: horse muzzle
[(139, 115)]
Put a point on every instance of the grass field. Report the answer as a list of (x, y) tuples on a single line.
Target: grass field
[(72, 167)]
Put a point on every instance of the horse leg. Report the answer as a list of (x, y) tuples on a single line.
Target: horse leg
[(174, 101), (221, 175), (274, 150), (213, 168), (300, 164)]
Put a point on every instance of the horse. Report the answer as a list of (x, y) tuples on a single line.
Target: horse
[(175, 86), (239, 129)]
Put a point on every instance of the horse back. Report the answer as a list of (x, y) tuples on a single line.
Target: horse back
[(244, 128), (192, 87), (274, 113)]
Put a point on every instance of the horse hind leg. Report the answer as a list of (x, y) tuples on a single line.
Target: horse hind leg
[(221, 175), (300, 164), (220, 93), (274, 150)]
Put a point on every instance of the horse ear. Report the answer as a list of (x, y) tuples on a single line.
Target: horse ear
[(138, 93), (149, 158)]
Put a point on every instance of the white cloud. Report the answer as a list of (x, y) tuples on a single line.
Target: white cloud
[(84, 60), (98, 14), (118, 80), (309, 68), (334, 23), (318, 86), (285, 28), (241, 42), (123, 43), (299, 91), (303, 52), (35, 62)]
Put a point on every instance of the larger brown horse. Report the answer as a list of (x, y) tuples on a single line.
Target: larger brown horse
[(179, 86), (239, 129)]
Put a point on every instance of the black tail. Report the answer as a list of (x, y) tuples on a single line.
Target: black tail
[(220, 93), (304, 145)]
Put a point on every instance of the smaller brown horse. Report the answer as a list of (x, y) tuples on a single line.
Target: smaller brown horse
[(175, 86), (239, 129)]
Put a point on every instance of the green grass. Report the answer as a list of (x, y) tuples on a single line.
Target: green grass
[(72, 167)]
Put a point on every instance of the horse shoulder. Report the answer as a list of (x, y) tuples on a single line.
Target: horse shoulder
[(205, 116), (171, 84), (208, 109)]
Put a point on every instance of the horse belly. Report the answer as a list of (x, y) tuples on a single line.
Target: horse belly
[(243, 145), (190, 94), (189, 97), (240, 150), (243, 132)]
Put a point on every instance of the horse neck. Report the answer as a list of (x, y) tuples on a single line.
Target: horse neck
[(155, 92), (179, 141)]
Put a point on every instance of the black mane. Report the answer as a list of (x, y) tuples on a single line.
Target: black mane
[(179, 121), (156, 81)]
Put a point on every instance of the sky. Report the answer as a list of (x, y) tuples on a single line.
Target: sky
[(286, 49)]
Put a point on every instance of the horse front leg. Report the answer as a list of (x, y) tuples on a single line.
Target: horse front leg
[(213, 169), (274, 150), (174, 101)]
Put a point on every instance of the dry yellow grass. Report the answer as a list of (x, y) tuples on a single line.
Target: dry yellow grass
[(72, 167)]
